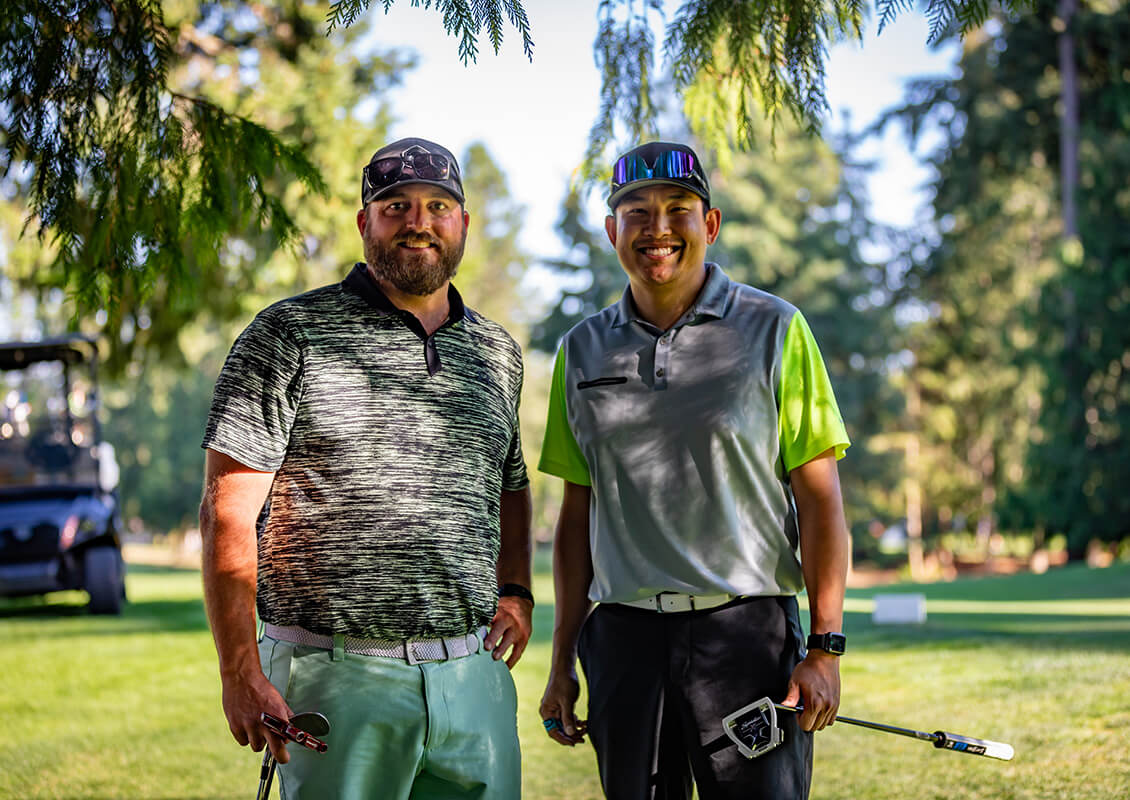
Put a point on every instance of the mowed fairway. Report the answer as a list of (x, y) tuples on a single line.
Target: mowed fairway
[(129, 707)]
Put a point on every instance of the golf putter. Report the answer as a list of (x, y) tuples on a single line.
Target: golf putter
[(753, 728), (303, 729), (941, 739)]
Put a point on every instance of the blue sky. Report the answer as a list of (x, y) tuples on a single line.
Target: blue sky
[(534, 117)]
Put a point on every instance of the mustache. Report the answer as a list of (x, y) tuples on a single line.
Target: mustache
[(418, 239)]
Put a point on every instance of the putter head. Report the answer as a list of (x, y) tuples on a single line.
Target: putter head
[(753, 728), (313, 722)]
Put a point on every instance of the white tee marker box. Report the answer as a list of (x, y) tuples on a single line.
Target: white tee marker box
[(899, 609)]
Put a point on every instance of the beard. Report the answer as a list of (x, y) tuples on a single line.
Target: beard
[(414, 273)]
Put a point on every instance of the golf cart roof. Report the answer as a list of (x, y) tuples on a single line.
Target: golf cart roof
[(72, 349)]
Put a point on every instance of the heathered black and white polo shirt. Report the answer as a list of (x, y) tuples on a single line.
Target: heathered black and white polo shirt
[(390, 450)]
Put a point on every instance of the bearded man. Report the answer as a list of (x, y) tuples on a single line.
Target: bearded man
[(365, 492)]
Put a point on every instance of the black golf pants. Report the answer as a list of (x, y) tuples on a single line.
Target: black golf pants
[(660, 684)]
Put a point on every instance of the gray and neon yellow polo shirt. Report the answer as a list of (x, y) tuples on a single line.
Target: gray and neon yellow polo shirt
[(687, 438), (391, 450)]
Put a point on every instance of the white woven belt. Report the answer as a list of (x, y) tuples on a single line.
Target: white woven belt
[(670, 602), (414, 651)]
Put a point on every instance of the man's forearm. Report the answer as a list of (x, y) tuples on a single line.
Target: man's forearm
[(825, 577), (233, 496), (824, 542), (572, 575), (514, 553), (229, 593)]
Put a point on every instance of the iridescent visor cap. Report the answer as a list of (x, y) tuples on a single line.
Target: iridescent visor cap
[(657, 163)]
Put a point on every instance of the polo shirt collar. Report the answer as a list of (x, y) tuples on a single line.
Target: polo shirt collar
[(711, 300), (360, 282)]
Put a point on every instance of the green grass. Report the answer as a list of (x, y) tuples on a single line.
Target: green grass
[(129, 707)]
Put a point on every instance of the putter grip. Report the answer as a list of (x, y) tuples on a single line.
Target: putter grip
[(976, 747)]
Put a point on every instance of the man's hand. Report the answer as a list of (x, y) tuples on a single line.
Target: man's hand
[(557, 708), (245, 698), (510, 629), (817, 681)]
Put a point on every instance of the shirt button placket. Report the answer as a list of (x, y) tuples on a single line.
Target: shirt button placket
[(662, 360)]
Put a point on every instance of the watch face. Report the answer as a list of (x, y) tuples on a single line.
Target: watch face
[(834, 643)]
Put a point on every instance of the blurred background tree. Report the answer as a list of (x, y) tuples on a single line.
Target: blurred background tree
[(128, 181), (325, 96), (1022, 354), (134, 173)]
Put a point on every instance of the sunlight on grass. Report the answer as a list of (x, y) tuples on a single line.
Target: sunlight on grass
[(1085, 608), (129, 707)]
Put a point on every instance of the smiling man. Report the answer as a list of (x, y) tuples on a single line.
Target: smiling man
[(365, 491), (697, 434)]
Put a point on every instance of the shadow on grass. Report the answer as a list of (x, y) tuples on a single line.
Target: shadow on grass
[(1110, 634), (543, 623), (166, 616), (133, 568), (142, 613), (990, 614), (1071, 582), (40, 608)]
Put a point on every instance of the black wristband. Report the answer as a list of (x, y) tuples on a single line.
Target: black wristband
[(515, 590)]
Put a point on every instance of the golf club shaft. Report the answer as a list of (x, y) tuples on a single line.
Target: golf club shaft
[(311, 724), (941, 739), (270, 777), (878, 726), (266, 772)]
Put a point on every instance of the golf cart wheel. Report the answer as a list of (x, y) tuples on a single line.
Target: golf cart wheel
[(102, 574)]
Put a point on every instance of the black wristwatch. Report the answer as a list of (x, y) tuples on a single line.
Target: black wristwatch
[(516, 590), (832, 643)]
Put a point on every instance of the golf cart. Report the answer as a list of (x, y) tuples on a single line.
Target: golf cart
[(59, 516)]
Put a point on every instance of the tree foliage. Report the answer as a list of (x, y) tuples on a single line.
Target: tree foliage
[(734, 61), (464, 19), (1023, 354), (126, 178), (313, 92)]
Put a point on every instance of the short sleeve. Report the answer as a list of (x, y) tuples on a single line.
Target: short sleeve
[(257, 395), (560, 454), (514, 476), (809, 421)]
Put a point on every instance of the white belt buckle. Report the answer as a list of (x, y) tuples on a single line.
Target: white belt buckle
[(674, 603)]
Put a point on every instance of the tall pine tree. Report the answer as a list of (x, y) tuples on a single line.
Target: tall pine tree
[(1022, 359)]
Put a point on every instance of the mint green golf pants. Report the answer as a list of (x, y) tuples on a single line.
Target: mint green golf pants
[(398, 731)]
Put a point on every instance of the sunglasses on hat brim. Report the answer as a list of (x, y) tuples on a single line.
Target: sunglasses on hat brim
[(425, 166), (675, 164)]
